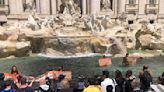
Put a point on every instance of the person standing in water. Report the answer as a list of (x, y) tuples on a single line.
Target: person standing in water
[(125, 60)]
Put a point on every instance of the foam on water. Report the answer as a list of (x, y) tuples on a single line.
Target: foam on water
[(74, 56)]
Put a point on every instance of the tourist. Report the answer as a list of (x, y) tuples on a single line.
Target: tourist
[(107, 82), (99, 79), (119, 80), (92, 86), (158, 87), (14, 70), (136, 86), (61, 69), (125, 60), (128, 81), (44, 87), (80, 85), (63, 84), (15, 73), (2, 82), (8, 87), (161, 79), (24, 87), (145, 78)]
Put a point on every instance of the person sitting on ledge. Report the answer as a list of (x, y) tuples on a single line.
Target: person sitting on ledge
[(15, 73), (14, 70)]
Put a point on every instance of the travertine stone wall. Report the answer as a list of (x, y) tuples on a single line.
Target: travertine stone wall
[(45, 6), (52, 7)]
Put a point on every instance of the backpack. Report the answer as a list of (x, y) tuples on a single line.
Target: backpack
[(127, 86), (117, 88), (109, 88), (146, 79)]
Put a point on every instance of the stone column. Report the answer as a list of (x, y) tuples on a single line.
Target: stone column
[(87, 6), (121, 6), (6, 2), (45, 6), (19, 7), (94, 6), (115, 7), (38, 6), (53, 6), (84, 6), (13, 6)]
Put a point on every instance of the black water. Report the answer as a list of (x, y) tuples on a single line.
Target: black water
[(35, 66)]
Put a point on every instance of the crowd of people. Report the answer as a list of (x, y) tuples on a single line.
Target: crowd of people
[(99, 83)]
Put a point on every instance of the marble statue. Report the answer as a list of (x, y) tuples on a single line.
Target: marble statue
[(32, 23), (106, 22), (69, 7), (106, 5), (29, 5)]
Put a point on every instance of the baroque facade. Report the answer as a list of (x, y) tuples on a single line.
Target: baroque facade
[(11, 10)]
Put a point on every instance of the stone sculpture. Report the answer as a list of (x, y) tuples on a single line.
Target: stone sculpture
[(29, 5), (32, 23), (106, 5), (66, 34), (106, 22), (69, 7)]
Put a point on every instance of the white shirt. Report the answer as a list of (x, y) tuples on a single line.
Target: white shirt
[(107, 82)]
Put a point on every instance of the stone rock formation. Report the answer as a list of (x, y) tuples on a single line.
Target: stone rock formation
[(8, 48), (69, 34)]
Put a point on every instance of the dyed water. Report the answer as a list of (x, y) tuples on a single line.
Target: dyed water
[(79, 66)]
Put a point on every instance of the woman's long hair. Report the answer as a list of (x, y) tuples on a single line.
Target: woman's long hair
[(14, 71)]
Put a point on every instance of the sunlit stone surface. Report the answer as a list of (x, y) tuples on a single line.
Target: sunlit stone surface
[(80, 27)]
